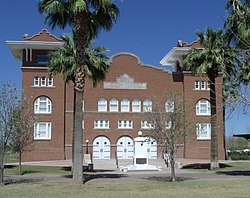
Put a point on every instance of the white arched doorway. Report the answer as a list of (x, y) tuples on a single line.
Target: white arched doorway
[(152, 148), (125, 148), (101, 148)]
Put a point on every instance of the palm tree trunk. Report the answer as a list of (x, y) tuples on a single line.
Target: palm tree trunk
[(78, 136), (214, 164), (80, 41)]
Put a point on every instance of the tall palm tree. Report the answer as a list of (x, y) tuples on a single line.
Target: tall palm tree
[(215, 57), (87, 18), (64, 62)]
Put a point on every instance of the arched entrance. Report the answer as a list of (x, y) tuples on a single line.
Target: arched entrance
[(125, 148), (101, 148)]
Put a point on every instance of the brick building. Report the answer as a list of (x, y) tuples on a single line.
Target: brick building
[(112, 111)]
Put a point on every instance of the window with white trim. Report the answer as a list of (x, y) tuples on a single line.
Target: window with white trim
[(102, 104), (203, 131), (169, 106), (43, 81), (168, 124), (125, 105), (50, 81), (147, 105), (197, 85), (203, 107), (113, 105), (136, 105), (147, 125), (101, 124), (36, 81), (42, 131), (42, 105), (208, 85), (125, 124), (203, 85)]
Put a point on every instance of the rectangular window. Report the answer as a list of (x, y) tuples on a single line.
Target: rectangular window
[(169, 106), (203, 85), (42, 131), (146, 125), (168, 124), (42, 59), (196, 84), (43, 81), (208, 85), (36, 81), (50, 81), (101, 124), (125, 124), (203, 131)]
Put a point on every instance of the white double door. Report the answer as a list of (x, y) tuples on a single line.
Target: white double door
[(125, 148), (101, 148), (152, 148)]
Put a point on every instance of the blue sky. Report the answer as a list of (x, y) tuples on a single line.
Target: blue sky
[(146, 28)]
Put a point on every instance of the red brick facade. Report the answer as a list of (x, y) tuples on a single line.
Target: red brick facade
[(128, 78)]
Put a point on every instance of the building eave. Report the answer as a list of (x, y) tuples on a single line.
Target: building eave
[(16, 47), (171, 57)]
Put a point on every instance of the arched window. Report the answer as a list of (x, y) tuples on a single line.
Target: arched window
[(42, 105), (203, 107), (147, 105), (102, 104), (113, 104), (125, 105), (136, 105), (36, 81)]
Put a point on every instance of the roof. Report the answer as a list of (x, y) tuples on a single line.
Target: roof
[(41, 41), (177, 52)]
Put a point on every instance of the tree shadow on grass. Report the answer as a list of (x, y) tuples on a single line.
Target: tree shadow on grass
[(89, 177), (234, 173), (10, 166), (203, 166), (168, 179)]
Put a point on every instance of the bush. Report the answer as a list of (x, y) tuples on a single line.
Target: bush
[(239, 156)]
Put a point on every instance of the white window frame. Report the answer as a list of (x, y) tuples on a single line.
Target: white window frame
[(50, 81), (102, 105), (43, 81), (208, 85), (169, 106), (125, 105), (203, 131), (125, 124), (47, 131), (101, 124), (146, 124), (83, 124), (203, 85), (38, 105), (113, 105), (136, 105), (36, 81), (147, 105), (203, 107), (196, 84), (168, 124)]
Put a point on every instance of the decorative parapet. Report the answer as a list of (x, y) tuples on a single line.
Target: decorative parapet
[(125, 82)]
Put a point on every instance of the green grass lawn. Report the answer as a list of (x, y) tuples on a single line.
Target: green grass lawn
[(223, 187), (140, 188)]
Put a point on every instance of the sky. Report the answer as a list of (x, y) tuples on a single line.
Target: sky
[(146, 28)]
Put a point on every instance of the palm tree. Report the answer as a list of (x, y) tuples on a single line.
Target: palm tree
[(64, 62), (87, 18), (215, 57)]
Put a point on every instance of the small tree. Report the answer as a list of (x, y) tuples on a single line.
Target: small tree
[(23, 128), (170, 126), (9, 102)]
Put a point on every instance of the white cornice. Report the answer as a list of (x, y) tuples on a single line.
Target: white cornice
[(16, 47), (171, 57)]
